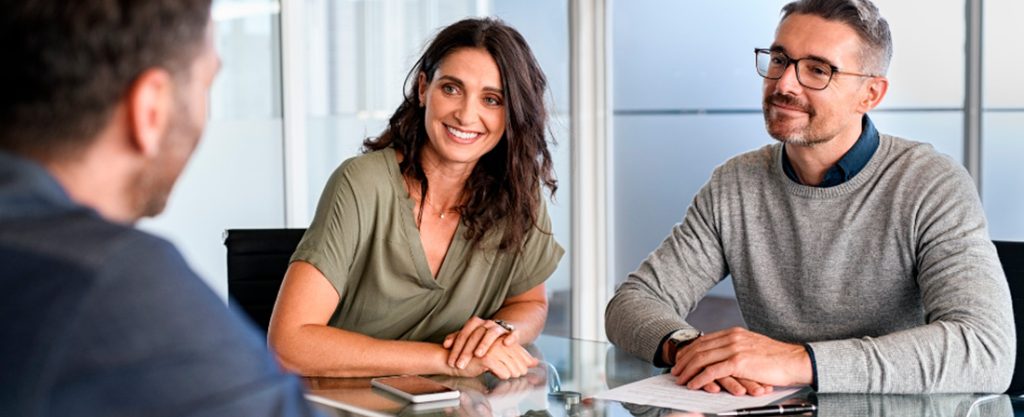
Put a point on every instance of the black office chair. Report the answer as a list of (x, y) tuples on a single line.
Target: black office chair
[(1011, 255), (257, 260)]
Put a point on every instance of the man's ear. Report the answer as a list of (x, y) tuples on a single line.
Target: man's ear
[(874, 93), (150, 103)]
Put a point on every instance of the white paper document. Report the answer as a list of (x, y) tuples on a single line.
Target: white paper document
[(662, 391)]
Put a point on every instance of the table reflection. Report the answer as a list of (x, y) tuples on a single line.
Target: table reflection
[(572, 371)]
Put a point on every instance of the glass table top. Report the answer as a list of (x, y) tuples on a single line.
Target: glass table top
[(572, 371)]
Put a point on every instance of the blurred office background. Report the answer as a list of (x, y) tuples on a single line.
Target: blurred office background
[(305, 81)]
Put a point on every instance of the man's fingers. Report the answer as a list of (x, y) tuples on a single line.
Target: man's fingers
[(713, 341), (701, 361), (753, 388), (677, 368), (732, 385), (710, 374), (712, 388)]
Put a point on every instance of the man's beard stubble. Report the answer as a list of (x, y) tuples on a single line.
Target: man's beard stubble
[(152, 186), (801, 137)]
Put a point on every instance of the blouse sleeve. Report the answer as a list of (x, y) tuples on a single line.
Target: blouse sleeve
[(540, 255), (333, 238)]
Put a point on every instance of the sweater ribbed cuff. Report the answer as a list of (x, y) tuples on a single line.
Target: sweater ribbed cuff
[(651, 336), (660, 353), (814, 366), (839, 366)]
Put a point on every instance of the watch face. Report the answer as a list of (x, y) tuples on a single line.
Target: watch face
[(685, 335)]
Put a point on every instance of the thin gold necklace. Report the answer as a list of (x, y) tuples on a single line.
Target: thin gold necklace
[(440, 212)]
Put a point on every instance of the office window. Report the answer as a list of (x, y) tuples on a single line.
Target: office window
[(682, 104), (926, 92), (234, 179), (1003, 118), (687, 98), (359, 53)]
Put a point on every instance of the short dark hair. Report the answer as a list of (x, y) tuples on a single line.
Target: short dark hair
[(504, 187), (860, 15), (68, 63)]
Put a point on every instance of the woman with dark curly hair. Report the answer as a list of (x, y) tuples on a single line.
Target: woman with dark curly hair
[(428, 253)]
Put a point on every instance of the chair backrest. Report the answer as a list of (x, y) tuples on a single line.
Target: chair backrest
[(1011, 255), (257, 261)]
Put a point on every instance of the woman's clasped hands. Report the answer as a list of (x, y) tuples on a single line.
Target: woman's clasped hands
[(484, 345)]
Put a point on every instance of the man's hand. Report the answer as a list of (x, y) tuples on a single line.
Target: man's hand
[(736, 357), (738, 386), (475, 339)]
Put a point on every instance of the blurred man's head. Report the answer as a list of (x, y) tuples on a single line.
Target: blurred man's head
[(123, 81)]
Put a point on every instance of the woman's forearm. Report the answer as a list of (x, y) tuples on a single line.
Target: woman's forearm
[(527, 316), (319, 350)]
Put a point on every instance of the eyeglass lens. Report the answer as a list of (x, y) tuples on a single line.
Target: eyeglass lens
[(810, 72)]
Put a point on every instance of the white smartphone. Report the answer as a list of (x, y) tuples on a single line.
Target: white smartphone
[(430, 408), (415, 388)]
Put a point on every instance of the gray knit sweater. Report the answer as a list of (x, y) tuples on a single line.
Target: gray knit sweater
[(890, 277)]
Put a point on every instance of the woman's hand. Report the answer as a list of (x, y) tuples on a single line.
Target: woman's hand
[(475, 340), (503, 361)]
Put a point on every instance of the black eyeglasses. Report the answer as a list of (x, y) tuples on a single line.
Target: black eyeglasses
[(811, 73)]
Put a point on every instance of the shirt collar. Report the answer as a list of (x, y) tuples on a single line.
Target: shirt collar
[(850, 164), (28, 189)]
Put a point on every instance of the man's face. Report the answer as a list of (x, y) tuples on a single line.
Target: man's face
[(153, 186), (801, 116)]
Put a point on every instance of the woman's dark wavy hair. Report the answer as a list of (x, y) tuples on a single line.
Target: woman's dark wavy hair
[(503, 189)]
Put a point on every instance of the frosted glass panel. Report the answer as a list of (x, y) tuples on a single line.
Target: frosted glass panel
[(699, 54), (943, 129), (1003, 61), (928, 60), (235, 178), (559, 285), (545, 25), (660, 163), (248, 86), (689, 54), (1002, 175)]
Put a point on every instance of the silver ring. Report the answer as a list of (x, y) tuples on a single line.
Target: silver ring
[(505, 325)]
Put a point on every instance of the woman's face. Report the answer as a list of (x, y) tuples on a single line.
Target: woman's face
[(465, 107)]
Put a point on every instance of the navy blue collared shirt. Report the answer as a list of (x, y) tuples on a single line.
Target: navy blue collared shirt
[(100, 319), (850, 164)]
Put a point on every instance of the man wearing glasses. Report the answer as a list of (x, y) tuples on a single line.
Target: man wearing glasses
[(861, 261)]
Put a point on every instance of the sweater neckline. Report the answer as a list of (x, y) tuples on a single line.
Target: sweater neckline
[(884, 147)]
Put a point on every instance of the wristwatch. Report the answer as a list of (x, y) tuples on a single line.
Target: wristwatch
[(683, 337), (509, 327)]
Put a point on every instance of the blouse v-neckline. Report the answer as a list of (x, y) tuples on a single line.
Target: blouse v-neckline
[(415, 241)]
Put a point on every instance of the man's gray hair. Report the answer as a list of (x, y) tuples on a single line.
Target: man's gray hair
[(860, 15)]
